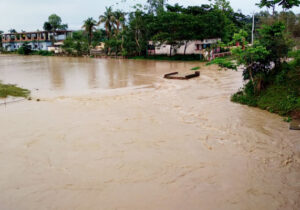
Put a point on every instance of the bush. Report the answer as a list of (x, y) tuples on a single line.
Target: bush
[(282, 96), (25, 49), (223, 63), (43, 53)]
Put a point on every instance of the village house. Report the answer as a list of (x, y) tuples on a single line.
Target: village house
[(39, 40), (187, 48)]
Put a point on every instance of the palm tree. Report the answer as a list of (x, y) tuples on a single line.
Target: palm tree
[(89, 26), (109, 20), (119, 21)]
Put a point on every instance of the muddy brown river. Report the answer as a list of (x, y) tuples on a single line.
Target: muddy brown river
[(114, 135)]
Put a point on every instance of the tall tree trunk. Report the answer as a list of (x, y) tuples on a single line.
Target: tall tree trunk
[(137, 41), (185, 46), (251, 75), (274, 6), (122, 44), (170, 50)]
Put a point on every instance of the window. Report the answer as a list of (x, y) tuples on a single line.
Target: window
[(198, 47)]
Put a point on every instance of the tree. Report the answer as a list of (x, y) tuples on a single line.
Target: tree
[(1, 32), (47, 26), (222, 5), (268, 4), (240, 38), (174, 29), (254, 59), (12, 31), (276, 41), (53, 24), (56, 23), (25, 49), (156, 6), (119, 21), (108, 19), (77, 44), (89, 27), (286, 4)]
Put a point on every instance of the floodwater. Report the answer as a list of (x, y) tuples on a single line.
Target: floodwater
[(112, 134)]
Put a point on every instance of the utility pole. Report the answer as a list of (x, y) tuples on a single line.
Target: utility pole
[(253, 28)]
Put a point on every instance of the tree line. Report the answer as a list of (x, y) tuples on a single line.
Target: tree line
[(128, 33)]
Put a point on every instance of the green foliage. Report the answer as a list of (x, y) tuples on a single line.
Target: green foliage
[(223, 63), (42, 53), (282, 96), (286, 4), (89, 27), (25, 49), (12, 90), (108, 19), (254, 60), (240, 37), (288, 119), (195, 68), (77, 45), (275, 40), (54, 23), (156, 6), (175, 26)]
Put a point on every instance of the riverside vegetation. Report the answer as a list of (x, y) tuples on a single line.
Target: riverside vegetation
[(272, 82), (12, 90)]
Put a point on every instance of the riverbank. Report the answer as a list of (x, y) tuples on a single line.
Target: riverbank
[(170, 58), (282, 95), (152, 57), (107, 129)]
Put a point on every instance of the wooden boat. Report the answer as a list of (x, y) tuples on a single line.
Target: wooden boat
[(174, 75)]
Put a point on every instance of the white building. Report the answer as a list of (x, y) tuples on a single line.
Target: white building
[(39, 40), (188, 48)]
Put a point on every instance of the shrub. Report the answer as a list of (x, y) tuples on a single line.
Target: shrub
[(25, 49), (223, 63)]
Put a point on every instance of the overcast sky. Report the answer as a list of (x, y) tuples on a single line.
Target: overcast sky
[(29, 15)]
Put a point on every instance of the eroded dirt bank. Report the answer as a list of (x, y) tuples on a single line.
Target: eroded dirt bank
[(171, 145)]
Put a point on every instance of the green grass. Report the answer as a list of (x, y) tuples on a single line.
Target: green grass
[(195, 68), (12, 90)]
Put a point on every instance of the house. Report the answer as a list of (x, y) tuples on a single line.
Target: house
[(38, 40), (184, 47), (98, 50)]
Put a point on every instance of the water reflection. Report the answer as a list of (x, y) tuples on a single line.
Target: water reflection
[(65, 74)]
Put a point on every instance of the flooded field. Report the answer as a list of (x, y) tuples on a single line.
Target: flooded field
[(112, 134)]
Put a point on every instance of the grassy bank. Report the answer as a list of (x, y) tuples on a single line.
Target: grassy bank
[(169, 58), (282, 95), (12, 90), (39, 52)]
